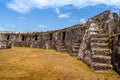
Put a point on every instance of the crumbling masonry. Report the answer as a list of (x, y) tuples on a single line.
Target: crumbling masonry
[(97, 42)]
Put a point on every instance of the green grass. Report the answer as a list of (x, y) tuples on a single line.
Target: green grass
[(38, 64)]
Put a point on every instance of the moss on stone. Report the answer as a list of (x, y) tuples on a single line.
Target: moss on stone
[(99, 24), (63, 30), (84, 25), (97, 18)]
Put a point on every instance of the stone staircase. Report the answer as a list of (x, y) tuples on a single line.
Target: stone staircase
[(75, 48), (61, 46), (100, 53)]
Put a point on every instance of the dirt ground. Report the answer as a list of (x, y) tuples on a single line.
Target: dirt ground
[(38, 64)]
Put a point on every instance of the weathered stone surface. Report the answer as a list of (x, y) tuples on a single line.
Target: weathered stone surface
[(91, 42), (115, 50), (95, 42)]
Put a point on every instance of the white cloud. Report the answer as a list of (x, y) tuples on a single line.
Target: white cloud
[(66, 15), (20, 6), (57, 10), (82, 20), (62, 15), (24, 6), (41, 26)]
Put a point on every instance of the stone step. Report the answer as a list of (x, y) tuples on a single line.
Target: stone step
[(62, 50), (101, 66), (99, 36), (104, 53), (60, 44), (75, 47), (96, 30), (101, 59), (99, 40), (62, 47), (100, 49), (101, 45), (74, 54), (77, 41), (76, 44), (75, 51)]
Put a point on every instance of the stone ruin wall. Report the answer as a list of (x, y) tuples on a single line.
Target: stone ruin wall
[(95, 47), (60, 40), (115, 50), (91, 42)]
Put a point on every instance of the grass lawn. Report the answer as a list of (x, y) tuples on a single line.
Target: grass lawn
[(38, 64)]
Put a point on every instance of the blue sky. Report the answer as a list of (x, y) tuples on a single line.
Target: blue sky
[(42, 15)]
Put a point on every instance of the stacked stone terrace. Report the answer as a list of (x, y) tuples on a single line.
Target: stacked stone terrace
[(89, 42)]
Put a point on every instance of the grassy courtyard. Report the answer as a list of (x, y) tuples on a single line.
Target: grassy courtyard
[(38, 64)]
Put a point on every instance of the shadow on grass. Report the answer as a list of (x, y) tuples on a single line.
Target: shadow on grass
[(117, 71)]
